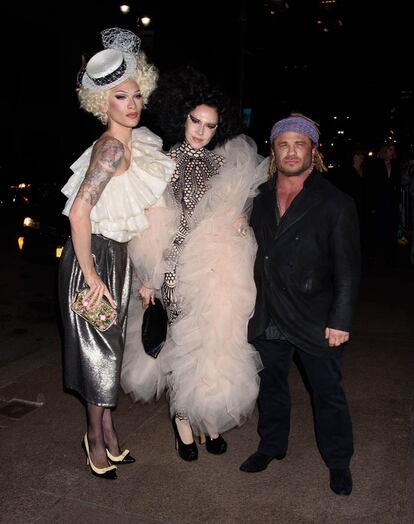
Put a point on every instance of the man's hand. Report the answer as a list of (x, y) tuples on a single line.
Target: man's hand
[(336, 337)]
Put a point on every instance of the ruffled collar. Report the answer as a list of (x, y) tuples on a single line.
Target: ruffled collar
[(120, 211), (184, 153)]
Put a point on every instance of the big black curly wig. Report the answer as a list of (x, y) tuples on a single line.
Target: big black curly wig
[(179, 91)]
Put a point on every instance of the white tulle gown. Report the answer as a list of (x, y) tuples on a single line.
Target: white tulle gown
[(207, 365)]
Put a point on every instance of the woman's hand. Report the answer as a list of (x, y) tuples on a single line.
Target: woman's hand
[(147, 295), (97, 289)]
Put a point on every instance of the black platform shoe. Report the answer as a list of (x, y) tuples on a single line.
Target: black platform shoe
[(216, 446), (187, 452)]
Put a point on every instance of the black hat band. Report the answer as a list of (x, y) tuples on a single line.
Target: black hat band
[(111, 77)]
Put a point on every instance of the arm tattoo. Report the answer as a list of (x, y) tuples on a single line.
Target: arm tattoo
[(106, 157)]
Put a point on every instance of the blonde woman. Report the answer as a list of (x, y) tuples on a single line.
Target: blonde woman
[(114, 182)]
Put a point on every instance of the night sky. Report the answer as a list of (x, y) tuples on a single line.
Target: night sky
[(270, 63)]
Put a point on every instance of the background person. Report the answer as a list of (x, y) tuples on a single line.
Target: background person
[(383, 191), (350, 178)]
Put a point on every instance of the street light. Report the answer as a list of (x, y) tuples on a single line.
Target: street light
[(146, 32), (145, 20)]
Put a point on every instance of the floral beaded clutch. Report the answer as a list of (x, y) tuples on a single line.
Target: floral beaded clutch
[(101, 317)]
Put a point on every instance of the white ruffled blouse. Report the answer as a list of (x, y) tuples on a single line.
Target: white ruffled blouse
[(119, 213)]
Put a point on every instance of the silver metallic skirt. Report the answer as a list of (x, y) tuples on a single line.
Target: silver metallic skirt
[(92, 359)]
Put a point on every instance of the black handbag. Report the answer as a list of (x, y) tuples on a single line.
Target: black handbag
[(154, 328)]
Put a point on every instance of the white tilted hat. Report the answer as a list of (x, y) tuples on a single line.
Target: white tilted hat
[(114, 64)]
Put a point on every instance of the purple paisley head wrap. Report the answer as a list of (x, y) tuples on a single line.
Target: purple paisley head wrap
[(296, 124)]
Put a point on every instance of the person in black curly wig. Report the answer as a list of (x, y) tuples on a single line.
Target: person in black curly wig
[(208, 291), (178, 93)]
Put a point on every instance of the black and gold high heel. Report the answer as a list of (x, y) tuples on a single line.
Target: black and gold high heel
[(124, 458), (216, 446), (108, 472), (188, 452)]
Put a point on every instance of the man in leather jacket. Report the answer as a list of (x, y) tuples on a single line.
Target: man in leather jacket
[(307, 277)]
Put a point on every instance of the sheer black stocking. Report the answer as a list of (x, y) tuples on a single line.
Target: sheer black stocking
[(109, 433), (95, 435), (101, 434)]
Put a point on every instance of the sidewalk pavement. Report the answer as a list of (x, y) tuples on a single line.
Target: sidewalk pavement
[(43, 474)]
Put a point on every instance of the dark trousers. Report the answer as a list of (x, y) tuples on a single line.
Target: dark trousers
[(332, 420)]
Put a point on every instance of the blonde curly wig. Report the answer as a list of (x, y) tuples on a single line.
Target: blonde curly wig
[(145, 74)]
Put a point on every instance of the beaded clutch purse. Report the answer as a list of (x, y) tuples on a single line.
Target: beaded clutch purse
[(101, 317)]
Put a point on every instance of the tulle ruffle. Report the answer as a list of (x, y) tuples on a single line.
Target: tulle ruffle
[(147, 251), (142, 377), (120, 212)]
